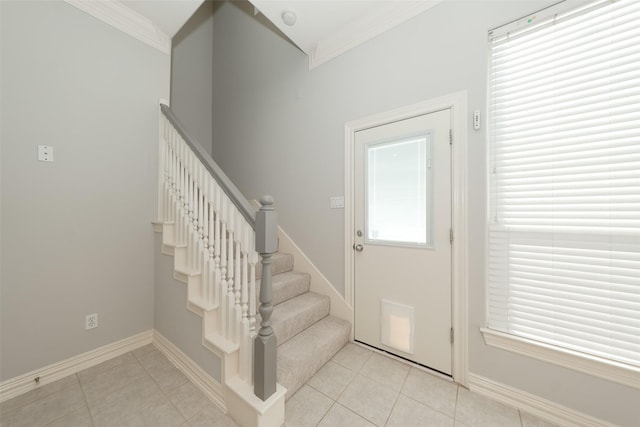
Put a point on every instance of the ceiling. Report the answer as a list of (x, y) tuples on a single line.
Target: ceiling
[(323, 29), (167, 15)]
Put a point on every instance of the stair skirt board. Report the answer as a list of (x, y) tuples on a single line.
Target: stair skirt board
[(56, 371)]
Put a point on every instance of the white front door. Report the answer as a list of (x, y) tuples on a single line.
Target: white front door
[(402, 223)]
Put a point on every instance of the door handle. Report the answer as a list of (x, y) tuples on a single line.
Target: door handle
[(358, 247)]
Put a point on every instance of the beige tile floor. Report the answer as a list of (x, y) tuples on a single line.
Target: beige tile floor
[(356, 388)]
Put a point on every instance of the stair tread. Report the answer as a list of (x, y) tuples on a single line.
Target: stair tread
[(297, 314), (303, 355), (280, 263), (286, 286)]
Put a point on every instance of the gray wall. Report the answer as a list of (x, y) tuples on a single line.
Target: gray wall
[(180, 326), (279, 129), (191, 69), (191, 85), (76, 233)]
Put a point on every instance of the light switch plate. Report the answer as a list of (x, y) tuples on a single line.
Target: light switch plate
[(337, 202)]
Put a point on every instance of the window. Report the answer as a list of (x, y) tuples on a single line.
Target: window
[(398, 192), (564, 181)]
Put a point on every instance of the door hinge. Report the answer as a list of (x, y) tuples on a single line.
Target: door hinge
[(451, 235), (451, 335), (450, 136)]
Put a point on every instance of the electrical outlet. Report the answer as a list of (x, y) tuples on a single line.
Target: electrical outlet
[(45, 153), (91, 321)]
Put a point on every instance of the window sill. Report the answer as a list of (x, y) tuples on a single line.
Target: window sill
[(595, 366)]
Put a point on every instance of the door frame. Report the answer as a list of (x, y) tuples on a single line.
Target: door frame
[(457, 102)]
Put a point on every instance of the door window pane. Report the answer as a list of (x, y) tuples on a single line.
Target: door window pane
[(398, 192)]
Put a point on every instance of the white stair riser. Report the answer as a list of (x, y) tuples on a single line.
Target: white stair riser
[(286, 286)]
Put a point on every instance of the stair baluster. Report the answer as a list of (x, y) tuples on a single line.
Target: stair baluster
[(204, 232), (223, 272), (211, 228), (231, 274)]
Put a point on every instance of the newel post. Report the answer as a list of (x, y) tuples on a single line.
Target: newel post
[(265, 342)]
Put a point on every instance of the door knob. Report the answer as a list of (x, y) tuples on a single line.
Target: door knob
[(358, 247)]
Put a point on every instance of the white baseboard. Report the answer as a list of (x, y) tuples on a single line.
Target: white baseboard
[(532, 404), (205, 382), (26, 382)]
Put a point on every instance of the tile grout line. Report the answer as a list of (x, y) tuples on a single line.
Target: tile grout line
[(455, 406), (404, 381), (162, 392), (520, 417), (70, 410), (431, 407), (86, 402), (85, 395), (386, 421), (335, 401), (109, 369), (44, 396), (321, 418)]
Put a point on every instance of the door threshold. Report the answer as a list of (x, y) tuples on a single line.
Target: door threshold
[(406, 361)]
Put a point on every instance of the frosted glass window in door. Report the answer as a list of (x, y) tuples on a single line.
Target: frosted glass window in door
[(398, 192)]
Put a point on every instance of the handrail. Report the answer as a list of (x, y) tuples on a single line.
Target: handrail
[(225, 183), (220, 236)]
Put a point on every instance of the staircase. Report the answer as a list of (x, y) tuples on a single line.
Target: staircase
[(215, 236), (307, 335)]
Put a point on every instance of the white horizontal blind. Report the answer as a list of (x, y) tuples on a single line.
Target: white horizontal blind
[(564, 225)]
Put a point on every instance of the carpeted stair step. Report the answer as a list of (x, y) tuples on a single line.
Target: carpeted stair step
[(280, 263), (286, 286), (303, 355), (297, 314)]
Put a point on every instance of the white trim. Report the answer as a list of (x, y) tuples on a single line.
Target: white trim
[(24, 383), (457, 102), (249, 411), (381, 19), (201, 379), (532, 404), (592, 365), (126, 20)]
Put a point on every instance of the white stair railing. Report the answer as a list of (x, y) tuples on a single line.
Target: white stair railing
[(214, 225)]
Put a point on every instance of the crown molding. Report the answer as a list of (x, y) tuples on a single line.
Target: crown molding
[(128, 21), (366, 28)]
